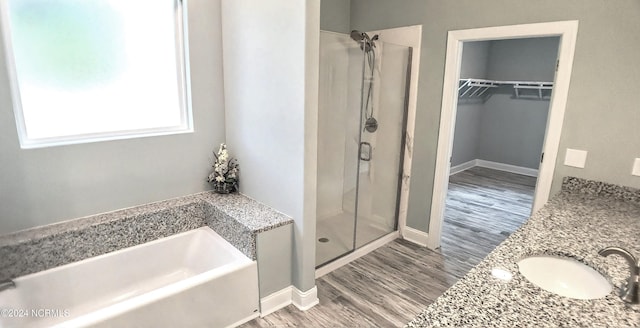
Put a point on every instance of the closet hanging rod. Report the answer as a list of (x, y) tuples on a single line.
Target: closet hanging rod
[(532, 86), (477, 86), (470, 87)]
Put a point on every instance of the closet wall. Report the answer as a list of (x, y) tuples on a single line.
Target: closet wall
[(475, 59), (502, 128)]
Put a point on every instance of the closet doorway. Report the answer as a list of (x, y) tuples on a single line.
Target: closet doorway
[(503, 101), (481, 89)]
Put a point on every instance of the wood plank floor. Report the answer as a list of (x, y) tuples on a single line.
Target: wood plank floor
[(391, 285), (483, 208)]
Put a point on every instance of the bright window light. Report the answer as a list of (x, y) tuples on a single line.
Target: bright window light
[(84, 71)]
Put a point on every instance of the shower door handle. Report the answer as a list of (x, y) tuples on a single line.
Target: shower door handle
[(365, 151)]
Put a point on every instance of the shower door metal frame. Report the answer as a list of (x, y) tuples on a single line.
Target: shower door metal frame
[(403, 140)]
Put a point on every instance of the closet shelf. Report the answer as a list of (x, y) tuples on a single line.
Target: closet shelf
[(477, 88)]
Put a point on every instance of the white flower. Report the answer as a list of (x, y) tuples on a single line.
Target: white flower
[(225, 168)]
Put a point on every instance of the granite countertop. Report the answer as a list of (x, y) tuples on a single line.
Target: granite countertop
[(235, 217), (584, 218), (252, 214)]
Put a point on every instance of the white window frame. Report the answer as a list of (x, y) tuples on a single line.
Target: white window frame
[(184, 91)]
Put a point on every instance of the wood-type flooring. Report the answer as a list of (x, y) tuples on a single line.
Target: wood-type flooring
[(390, 286)]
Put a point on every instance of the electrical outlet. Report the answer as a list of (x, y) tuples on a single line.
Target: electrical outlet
[(575, 158), (636, 167)]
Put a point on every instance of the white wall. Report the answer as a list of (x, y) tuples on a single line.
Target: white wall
[(47, 185), (271, 83)]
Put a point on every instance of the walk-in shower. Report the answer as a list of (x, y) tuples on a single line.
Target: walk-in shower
[(361, 126)]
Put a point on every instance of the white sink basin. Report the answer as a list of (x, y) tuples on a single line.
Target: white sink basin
[(564, 276)]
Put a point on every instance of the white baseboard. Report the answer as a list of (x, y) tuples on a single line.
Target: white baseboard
[(276, 301), (286, 296), (415, 236), (493, 165), (360, 252), (507, 168), (462, 167), (245, 320), (305, 300)]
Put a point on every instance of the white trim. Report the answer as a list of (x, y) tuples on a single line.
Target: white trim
[(493, 165), (358, 253), (567, 30), (289, 295), (463, 167), (305, 300), (415, 236), (276, 301), (507, 167), (245, 320)]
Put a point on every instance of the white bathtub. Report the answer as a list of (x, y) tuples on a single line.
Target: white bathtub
[(192, 279)]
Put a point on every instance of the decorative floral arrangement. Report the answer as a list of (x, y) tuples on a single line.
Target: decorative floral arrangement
[(225, 172)]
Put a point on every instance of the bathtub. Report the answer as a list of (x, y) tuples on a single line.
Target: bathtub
[(192, 279)]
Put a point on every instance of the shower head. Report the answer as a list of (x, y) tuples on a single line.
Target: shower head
[(358, 36), (366, 43)]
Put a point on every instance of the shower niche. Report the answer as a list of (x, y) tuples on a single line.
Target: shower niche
[(362, 119)]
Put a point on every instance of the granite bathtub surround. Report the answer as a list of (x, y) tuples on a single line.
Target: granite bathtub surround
[(583, 218), (235, 217)]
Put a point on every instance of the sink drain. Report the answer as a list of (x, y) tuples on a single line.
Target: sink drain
[(323, 240)]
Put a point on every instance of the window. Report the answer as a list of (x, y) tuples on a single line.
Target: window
[(84, 71)]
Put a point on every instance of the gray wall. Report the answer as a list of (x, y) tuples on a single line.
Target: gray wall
[(271, 108), (602, 112), (274, 251), (512, 130), (335, 15), (531, 59), (475, 60), (504, 129), (47, 185)]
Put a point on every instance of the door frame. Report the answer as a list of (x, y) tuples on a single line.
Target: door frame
[(567, 31)]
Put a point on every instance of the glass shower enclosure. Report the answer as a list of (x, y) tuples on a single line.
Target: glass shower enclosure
[(361, 129)]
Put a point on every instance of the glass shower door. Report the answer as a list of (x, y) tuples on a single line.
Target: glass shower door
[(338, 120), (382, 141)]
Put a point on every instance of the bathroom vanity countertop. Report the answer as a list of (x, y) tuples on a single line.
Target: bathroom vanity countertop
[(584, 218)]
